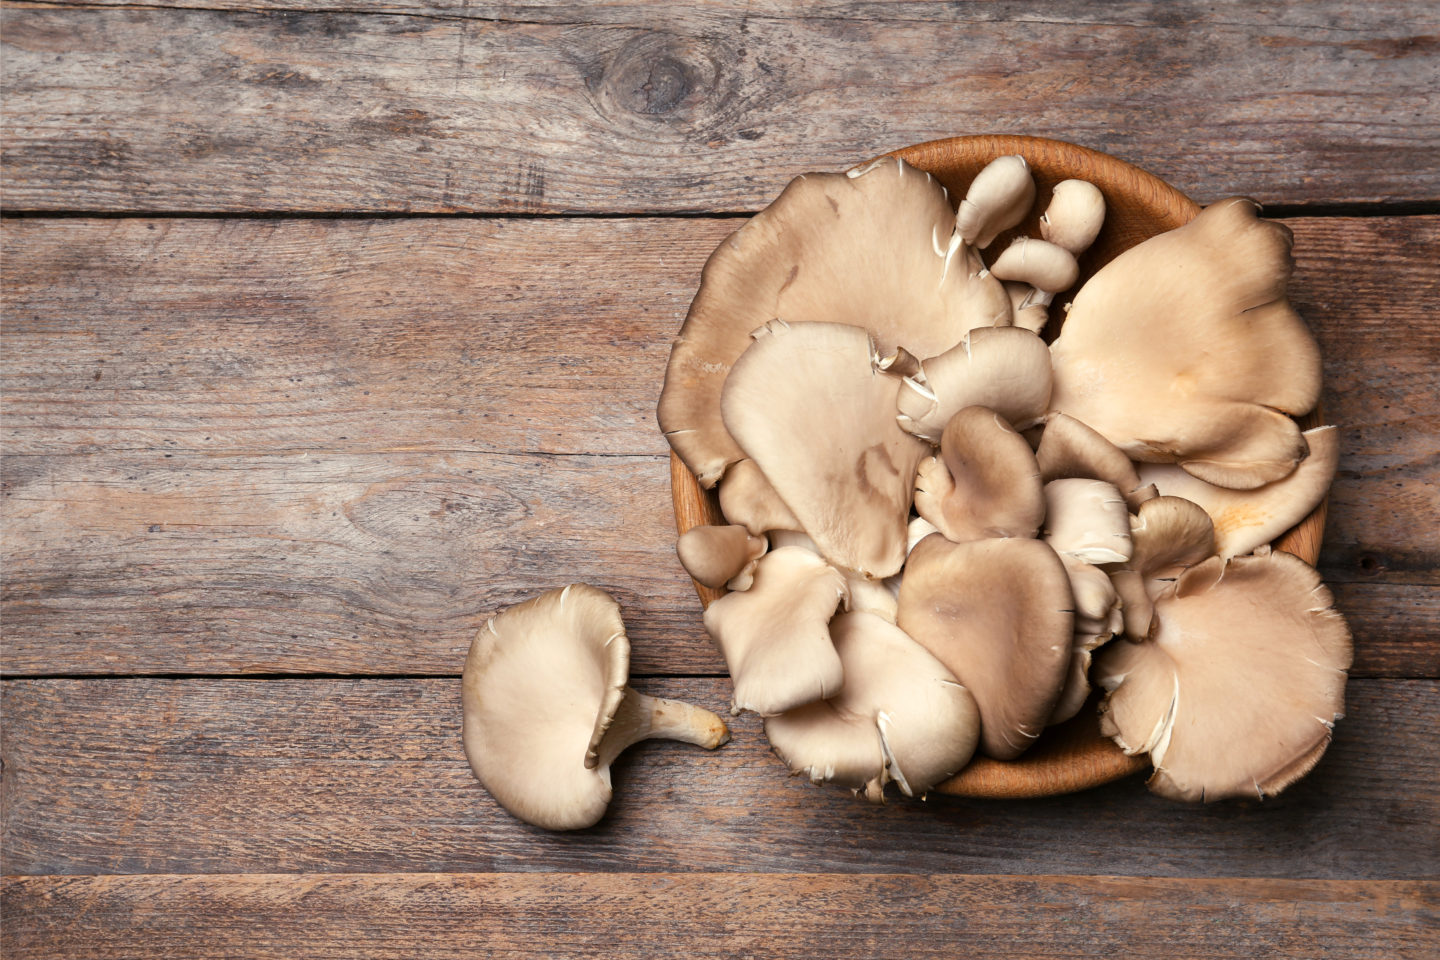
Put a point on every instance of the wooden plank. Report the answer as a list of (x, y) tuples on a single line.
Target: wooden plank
[(323, 563), (331, 446), (234, 776), (673, 915), (650, 106)]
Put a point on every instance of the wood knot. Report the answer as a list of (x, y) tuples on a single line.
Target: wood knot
[(658, 80)]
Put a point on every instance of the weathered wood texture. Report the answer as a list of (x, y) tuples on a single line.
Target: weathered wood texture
[(619, 916), (337, 446), (653, 106), (237, 776)]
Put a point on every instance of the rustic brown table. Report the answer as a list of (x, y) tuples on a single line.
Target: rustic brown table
[(330, 330)]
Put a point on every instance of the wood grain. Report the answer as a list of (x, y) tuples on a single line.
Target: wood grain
[(336, 446), (619, 916), (279, 776), (655, 107)]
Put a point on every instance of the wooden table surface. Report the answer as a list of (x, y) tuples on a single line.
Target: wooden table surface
[(331, 329)]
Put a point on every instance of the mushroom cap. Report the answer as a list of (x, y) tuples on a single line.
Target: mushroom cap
[(1074, 216), (1004, 368), (1237, 693), (1087, 519), (871, 248), (1183, 349), (716, 555), (748, 499), (998, 614), (542, 682), (998, 198), (1068, 448), (774, 636), (1246, 519), (805, 403), (1043, 265), (1167, 536), (901, 716), (984, 483)]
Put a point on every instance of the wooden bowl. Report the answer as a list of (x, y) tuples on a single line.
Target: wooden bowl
[(1073, 755)]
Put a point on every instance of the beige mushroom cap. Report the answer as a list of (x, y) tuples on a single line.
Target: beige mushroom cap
[(1167, 536), (806, 404), (1184, 350), (1074, 216), (998, 198), (1238, 692), (1004, 368), (901, 717), (774, 636), (748, 499), (998, 614), (1068, 448), (1044, 266), (984, 483), (547, 708), (1087, 519), (715, 556), (1247, 519), (872, 248)]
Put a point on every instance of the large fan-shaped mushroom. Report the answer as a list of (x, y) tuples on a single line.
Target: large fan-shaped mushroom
[(1184, 349), (1237, 692), (872, 248)]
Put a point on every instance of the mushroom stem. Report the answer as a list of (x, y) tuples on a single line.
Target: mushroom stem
[(655, 718)]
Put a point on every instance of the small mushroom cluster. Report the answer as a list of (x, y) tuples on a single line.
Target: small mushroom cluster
[(938, 524)]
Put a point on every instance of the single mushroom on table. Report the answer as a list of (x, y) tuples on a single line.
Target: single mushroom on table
[(1237, 692), (900, 717), (547, 707)]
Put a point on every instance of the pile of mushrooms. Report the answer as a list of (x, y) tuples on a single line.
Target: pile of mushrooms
[(943, 530)]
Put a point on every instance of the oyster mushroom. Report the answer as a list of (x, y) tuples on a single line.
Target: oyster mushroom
[(1247, 519), (547, 707), (984, 483), (1184, 350), (1074, 216), (871, 248), (717, 556), (997, 199), (1238, 691), (748, 499), (901, 716), (1087, 519), (998, 614), (1167, 535), (1004, 368), (1068, 448), (774, 637), (807, 406)]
